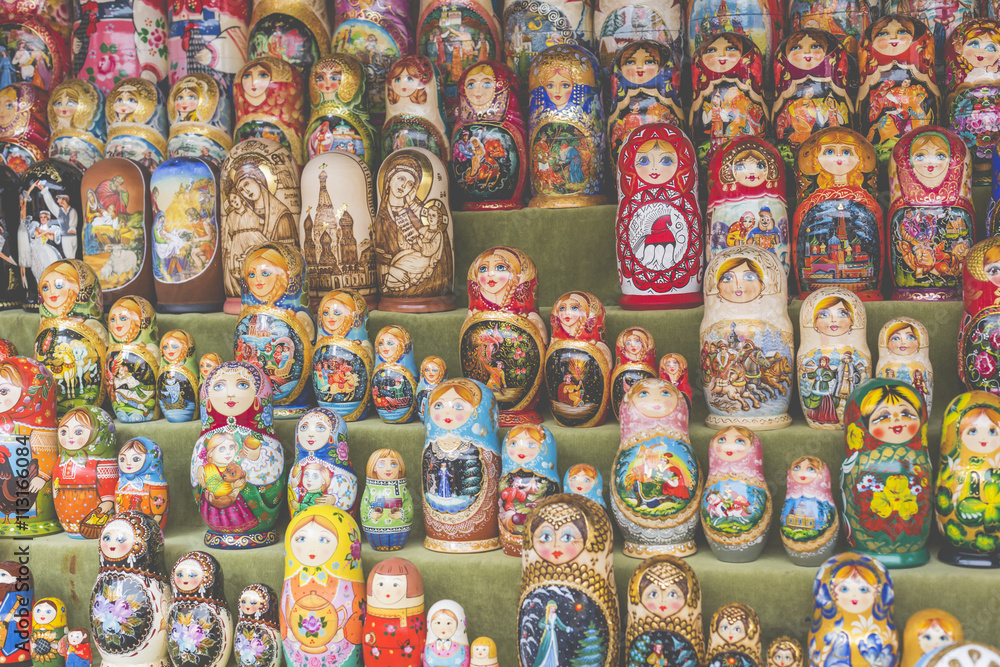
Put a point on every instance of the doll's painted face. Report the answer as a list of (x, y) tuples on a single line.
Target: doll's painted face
[(327, 80), (721, 56), (731, 445), (250, 603), (173, 349), (432, 372), (732, 631), (480, 89), (335, 315), (493, 275), (750, 171), (389, 347), (582, 482), (558, 88), (904, 341), (451, 410), (10, 394), (641, 66), (74, 434), (387, 468), (312, 478), (125, 104), (893, 39), (185, 102), (314, 431), (854, 595), (387, 589), (65, 106), (894, 423), (806, 54), (131, 461), (523, 448), (982, 51), (206, 365), (740, 284), (401, 183), (255, 82), (405, 84), (443, 625), (838, 159), (662, 602), (835, 320), (480, 651), (117, 539), (930, 160), (262, 275), (58, 291), (804, 472), (43, 613), (124, 323), (558, 545), (782, 658), (313, 545), (570, 311), (188, 575), (933, 637), (655, 400), (982, 435), (656, 164), (231, 393), (635, 347)]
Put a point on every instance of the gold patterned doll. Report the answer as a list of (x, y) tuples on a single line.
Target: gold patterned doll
[(664, 615), (201, 119), (137, 123), (77, 121), (734, 637), (784, 652), (339, 117)]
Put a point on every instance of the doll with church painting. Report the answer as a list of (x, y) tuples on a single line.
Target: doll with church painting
[(621, 23), (810, 522), (904, 354)]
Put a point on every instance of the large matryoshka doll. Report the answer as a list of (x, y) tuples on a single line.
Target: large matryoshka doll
[(734, 637), (760, 20), (503, 338), (178, 381), (323, 598), (566, 129), (238, 466), (270, 103), (925, 632), (142, 485), (394, 380), (208, 37), (136, 114), (635, 350), (133, 360), (17, 595), (386, 505), (343, 357), (339, 120), (931, 218), (746, 341), (79, 128), (460, 468), (529, 29), (528, 474), (885, 479), (199, 623), (395, 623), (86, 477), (257, 640), (414, 108), (115, 41), (578, 362), (322, 473), (568, 581), (978, 359), (904, 354), (24, 127), (201, 119), (846, 20), (810, 523), (837, 234), (973, 59), (489, 140), (297, 32), (833, 356), (664, 615)]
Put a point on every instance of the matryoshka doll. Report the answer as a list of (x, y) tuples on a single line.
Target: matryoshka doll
[(489, 140), (973, 59), (142, 486), (636, 352), (270, 103), (833, 356), (322, 473), (931, 217), (447, 636), (529, 29), (256, 640), (567, 577), (977, 358), (585, 480), (207, 37), (785, 652), (620, 23), (528, 474), (395, 624), (503, 338), (734, 637), (484, 653), (131, 597), (24, 130), (664, 615), (659, 232), (323, 598), (746, 340), (414, 108), (48, 628), (178, 380), (112, 42), (339, 120), (925, 632), (433, 371), (199, 623), (460, 468), (394, 381), (297, 32), (133, 360), (810, 522), (78, 649), (77, 122), (343, 358), (566, 129), (237, 465), (86, 477), (386, 505), (201, 119), (846, 19), (17, 592), (904, 354), (674, 369), (136, 114), (578, 362)]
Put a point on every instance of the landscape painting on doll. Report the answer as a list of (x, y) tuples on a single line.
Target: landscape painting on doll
[(114, 238), (835, 244), (531, 27), (185, 229), (502, 353), (563, 158), (746, 364), (656, 478), (375, 48), (733, 507), (751, 18)]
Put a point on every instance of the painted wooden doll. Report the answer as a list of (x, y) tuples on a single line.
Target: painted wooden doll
[(503, 338), (904, 354), (977, 358), (578, 362), (585, 480), (414, 108), (529, 29), (206, 365), (674, 369), (785, 652), (659, 232), (269, 102), (199, 623), (24, 132), (414, 234), (339, 117), (566, 129), (567, 577), (237, 465), (447, 636), (256, 639), (201, 118), (296, 32), (833, 357), (142, 486), (433, 371), (86, 476), (394, 382), (664, 615), (78, 650), (131, 597), (48, 628), (77, 122), (395, 624), (133, 360), (489, 140), (323, 598), (746, 340), (853, 616), (343, 359), (112, 42), (618, 24), (846, 19), (17, 593), (636, 352), (322, 473), (734, 637), (12, 291), (136, 114), (973, 57), (386, 505), (207, 38), (528, 474), (460, 468), (810, 522), (484, 653), (177, 382), (925, 632)]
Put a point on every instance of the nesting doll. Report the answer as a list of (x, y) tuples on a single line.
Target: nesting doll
[(339, 117), (971, 105), (86, 476), (785, 652), (809, 519), (433, 371), (585, 480), (177, 381), (112, 42), (853, 617), (414, 108), (199, 623), (78, 650), (207, 38), (201, 118), (618, 24), (447, 636), (206, 365), (24, 132), (12, 290), (48, 628), (664, 615), (977, 355), (833, 356), (734, 637), (131, 597), (566, 129), (656, 482), (659, 231), (296, 32), (528, 474), (414, 234), (269, 102), (257, 641), (904, 354), (636, 352), (746, 340), (142, 486), (395, 625), (322, 473), (394, 381), (133, 360), (460, 468), (78, 125), (136, 114), (237, 465), (674, 369), (567, 581), (343, 359), (275, 329), (323, 598), (578, 362), (925, 632), (529, 29), (71, 340), (36, 51), (489, 140), (17, 593), (503, 338), (386, 505), (484, 653)]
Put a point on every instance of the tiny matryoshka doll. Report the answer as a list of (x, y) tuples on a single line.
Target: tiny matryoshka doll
[(256, 640), (925, 632), (809, 519), (414, 111), (659, 231), (585, 480), (528, 474), (201, 119), (17, 593), (142, 486), (746, 340), (78, 649), (199, 623), (503, 338), (48, 628), (674, 369), (86, 476), (24, 130), (433, 371), (394, 381), (578, 362), (785, 652), (619, 23), (904, 354), (567, 580), (343, 358), (977, 357), (322, 473), (973, 59), (664, 615), (636, 352), (133, 360), (206, 365), (530, 28), (395, 625), (447, 636), (207, 37), (297, 32), (112, 42), (833, 356), (270, 103), (178, 381), (137, 122), (566, 129), (339, 120), (386, 505), (846, 19), (77, 121), (734, 637), (484, 653)]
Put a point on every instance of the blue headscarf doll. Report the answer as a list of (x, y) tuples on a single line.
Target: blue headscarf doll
[(142, 485), (322, 465), (528, 474)]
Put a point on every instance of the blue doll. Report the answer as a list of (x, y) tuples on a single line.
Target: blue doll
[(585, 480), (528, 474), (344, 359), (394, 383), (141, 484), (322, 473)]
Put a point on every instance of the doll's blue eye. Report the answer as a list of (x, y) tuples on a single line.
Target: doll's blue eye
[(643, 161)]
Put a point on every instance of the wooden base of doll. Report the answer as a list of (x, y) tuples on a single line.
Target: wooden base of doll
[(512, 543), (643, 551), (567, 201), (898, 561), (29, 528), (772, 423), (232, 306), (256, 540), (452, 547), (965, 558), (512, 205), (927, 295), (181, 308), (436, 304), (512, 418), (664, 302)]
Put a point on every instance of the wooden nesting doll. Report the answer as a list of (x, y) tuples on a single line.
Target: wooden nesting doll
[(136, 114), (567, 581), (660, 245), (178, 382), (48, 628), (503, 338), (343, 359), (809, 519), (489, 140), (12, 290), (414, 224), (734, 637), (619, 23), (484, 653), (636, 352), (674, 369), (142, 486), (323, 598), (133, 360), (566, 129), (395, 624), (846, 19), (199, 623), (78, 125), (414, 108), (17, 593), (339, 117), (833, 356), (86, 477), (72, 341), (973, 58), (528, 473), (112, 42), (131, 597), (296, 32), (746, 340), (977, 355), (664, 615), (837, 234), (24, 130), (529, 29), (201, 118), (256, 640), (447, 636), (78, 650), (578, 362), (931, 217), (460, 468), (785, 652), (925, 632), (904, 354), (433, 371), (394, 380), (585, 480), (322, 473), (386, 505), (270, 103), (854, 615), (237, 465), (207, 38)]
